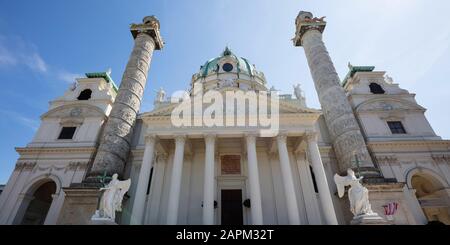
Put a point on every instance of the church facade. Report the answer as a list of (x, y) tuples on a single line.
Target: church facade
[(188, 170)]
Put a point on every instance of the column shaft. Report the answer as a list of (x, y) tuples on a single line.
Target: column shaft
[(322, 183), (175, 183), (208, 187), (137, 213), (288, 182), (253, 177), (341, 122), (114, 145)]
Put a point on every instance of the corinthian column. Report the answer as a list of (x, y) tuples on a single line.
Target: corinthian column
[(341, 122), (140, 195), (175, 180), (322, 183), (253, 179), (208, 186), (289, 187), (115, 142)]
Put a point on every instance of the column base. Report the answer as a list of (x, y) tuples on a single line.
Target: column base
[(369, 219)]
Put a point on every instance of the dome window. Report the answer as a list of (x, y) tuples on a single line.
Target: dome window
[(227, 67), (85, 94), (375, 88)]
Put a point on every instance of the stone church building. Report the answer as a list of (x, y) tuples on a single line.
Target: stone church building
[(232, 174)]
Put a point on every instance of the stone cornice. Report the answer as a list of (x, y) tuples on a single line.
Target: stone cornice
[(383, 187), (284, 118), (31, 150), (401, 143)]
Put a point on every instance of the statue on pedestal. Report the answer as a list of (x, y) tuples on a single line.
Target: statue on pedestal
[(111, 199), (357, 194), (298, 92), (160, 95)]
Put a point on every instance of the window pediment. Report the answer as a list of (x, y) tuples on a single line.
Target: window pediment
[(387, 105), (74, 112)]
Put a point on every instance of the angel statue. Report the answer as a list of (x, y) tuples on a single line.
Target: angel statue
[(111, 200), (358, 194)]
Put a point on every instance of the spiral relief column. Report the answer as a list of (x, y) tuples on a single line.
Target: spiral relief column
[(115, 141), (341, 122)]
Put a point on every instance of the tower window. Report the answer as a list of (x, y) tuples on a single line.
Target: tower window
[(396, 127), (67, 133), (85, 94), (375, 88), (227, 67)]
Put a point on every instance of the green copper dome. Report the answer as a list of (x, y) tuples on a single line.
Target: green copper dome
[(227, 62)]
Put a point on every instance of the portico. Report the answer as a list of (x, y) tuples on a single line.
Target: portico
[(260, 167)]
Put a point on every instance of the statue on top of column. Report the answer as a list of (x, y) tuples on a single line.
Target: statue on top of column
[(308, 17)]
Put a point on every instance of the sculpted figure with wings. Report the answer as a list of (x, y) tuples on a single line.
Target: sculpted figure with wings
[(357, 194), (111, 200)]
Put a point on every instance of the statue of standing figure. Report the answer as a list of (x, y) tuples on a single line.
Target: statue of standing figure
[(298, 92), (357, 194), (111, 200), (160, 95)]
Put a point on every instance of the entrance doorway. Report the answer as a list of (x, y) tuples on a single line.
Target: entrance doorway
[(232, 213), (432, 197), (38, 208)]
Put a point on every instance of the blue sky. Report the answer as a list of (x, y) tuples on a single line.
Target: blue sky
[(45, 44)]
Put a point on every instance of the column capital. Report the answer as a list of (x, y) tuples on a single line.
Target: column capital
[(150, 26), (251, 136), (209, 137), (305, 22), (311, 136), (180, 138), (151, 138), (162, 156), (282, 136)]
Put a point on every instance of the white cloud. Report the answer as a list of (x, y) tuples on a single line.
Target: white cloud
[(6, 58), (14, 51), (36, 63), (68, 77), (18, 118)]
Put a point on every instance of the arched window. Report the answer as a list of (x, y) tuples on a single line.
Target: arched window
[(37, 210), (85, 94), (375, 88)]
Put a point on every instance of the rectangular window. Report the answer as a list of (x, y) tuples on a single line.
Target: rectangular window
[(396, 127), (67, 133)]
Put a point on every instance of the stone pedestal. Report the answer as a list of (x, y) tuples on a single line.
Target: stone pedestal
[(79, 206), (369, 219), (96, 220)]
